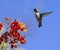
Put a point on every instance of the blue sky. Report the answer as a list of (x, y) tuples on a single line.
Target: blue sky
[(45, 38)]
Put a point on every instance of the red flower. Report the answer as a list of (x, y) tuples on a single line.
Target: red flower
[(1, 25), (22, 40), (15, 25)]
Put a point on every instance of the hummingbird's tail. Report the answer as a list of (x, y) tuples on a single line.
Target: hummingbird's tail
[(40, 24)]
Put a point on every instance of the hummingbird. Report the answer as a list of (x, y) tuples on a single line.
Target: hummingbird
[(40, 15)]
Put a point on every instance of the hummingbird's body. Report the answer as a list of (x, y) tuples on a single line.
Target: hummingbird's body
[(39, 19)]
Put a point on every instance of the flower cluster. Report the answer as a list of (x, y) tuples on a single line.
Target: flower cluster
[(12, 36)]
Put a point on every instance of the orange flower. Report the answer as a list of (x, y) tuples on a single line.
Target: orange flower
[(23, 41), (22, 27)]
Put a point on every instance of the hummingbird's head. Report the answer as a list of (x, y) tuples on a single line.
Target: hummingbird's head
[(35, 9)]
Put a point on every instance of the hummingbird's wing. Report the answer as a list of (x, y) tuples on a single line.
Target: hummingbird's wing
[(45, 14)]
